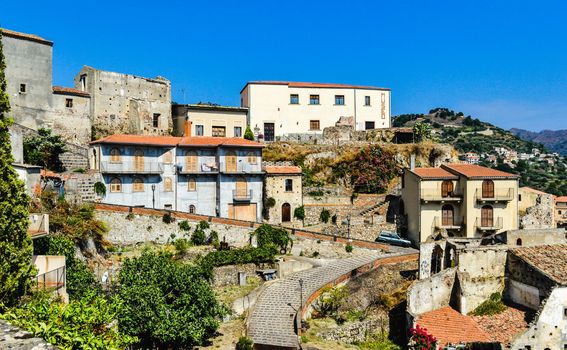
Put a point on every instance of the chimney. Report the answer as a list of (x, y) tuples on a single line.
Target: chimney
[(187, 127), (412, 161)]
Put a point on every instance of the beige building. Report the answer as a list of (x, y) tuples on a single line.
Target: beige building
[(284, 108), (209, 120), (528, 197), (458, 200), (283, 184), (561, 211)]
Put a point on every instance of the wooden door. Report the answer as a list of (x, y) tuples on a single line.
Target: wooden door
[(241, 188), (488, 189), (446, 188), (139, 160), (487, 216), (448, 215), (245, 212), (230, 161), (286, 212), (191, 161)]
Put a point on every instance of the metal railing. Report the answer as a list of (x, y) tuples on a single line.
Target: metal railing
[(51, 280), (39, 225), (436, 195), (489, 224), (456, 224), (241, 167), (146, 167), (203, 168), (242, 195), (495, 196)]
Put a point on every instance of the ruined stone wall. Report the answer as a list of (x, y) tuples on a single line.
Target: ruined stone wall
[(228, 275), (12, 337), (540, 215), (431, 293)]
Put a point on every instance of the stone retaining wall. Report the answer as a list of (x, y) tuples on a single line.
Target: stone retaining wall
[(228, 275)]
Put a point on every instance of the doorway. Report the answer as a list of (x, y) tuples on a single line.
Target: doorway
[(286, 212)]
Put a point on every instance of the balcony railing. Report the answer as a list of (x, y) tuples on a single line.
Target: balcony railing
[(131, 168), (241, 168), (499, 195), (51, 280), (455, 224), (489, 224), (436, 195), (242, 195), (203, 168)]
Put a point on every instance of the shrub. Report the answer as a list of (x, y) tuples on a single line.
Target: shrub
[(203, 225), (130, 216), (167, 218), (421, 340), (213, 238), (44, 149), (248, 134), (331, 300), (100, 188), (349, 248), (184, 225), (240, 256), (325, 216), (268, 235), (299, 213), (244, 343), (316, 193), (181, 246), (198, 237), (492, 306)]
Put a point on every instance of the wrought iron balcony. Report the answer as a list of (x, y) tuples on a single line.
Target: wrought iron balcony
[(242, 195), (241, 168), (455, 224), (51, 280), (146, 167), (203, 168), (489, 224), (498, 195), (436, 195)]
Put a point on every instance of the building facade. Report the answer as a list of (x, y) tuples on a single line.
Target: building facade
[(209, 120), (284, 108), (124, 103), (458, 200), (283, 185), (561, 211), (201, 175)]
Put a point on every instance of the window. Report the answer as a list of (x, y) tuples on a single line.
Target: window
[(369, 125), (294, 99), (155, 120), (191, 185), (269, 131), (446, 188), (486, 216), (230, 159), (83, 81), (69, 102), (138, 185), (22, 88), (251, 157), (241, 188), (313, 99), (139, 160), (448, 214), (192, 209), (519, 241), (340, 100), (115, 185), (167, 185), (288, 185), (199, 130), (219, 131), (488, 189), (115, 155), (168, 206), (237, 131), (168, 157), (367, 100), (191, 161), (314, 125)]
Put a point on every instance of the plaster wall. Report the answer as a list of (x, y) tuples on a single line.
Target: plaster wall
[(209, 118), (412, 208), (523, 294), (431, 294)]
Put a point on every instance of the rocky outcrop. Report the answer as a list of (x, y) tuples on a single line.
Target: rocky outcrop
[(14, 338)]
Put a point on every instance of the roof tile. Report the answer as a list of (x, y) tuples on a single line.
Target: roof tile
[(434, 173), (272, 169), (151, 140), (550, 260), (70, 91), (477, 171)]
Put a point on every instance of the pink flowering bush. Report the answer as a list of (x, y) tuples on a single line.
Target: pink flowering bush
[(421, 340)]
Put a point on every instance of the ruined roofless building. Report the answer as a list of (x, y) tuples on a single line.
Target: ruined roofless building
[(126, 104)]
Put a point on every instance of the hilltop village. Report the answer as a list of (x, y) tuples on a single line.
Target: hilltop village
[(306, 217)]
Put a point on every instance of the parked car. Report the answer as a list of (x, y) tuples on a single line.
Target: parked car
[(392, 238)]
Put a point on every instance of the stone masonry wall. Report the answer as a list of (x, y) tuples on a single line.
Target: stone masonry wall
[(12, 337)]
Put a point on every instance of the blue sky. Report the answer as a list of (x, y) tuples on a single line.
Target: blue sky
[(501, 61)]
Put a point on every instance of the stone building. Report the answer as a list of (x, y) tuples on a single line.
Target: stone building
[(536, 209), (124, 103), (211, 176), (283, 184), (209, 120), (561, 211), (34, 102)]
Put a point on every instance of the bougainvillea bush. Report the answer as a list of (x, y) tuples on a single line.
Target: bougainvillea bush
[(421, 340)]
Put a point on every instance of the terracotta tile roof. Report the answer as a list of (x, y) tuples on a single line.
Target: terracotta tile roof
[(561, 199), (505, 326), (477, 171), (434, 173), (271, 169), (31, 37), (533, 190), (217, 141), (69, 91), (140, 140), (450, 326), (550, 260), (298, 84), (48, 173)]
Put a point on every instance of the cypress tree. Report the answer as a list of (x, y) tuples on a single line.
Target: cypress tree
[(16, 269), (249, 135)]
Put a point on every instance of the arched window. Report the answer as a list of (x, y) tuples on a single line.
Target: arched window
[(115, 155), (488, 189), (519, 241), (139, 160), (436, 260), (168, 157), (115, 185), (487, 216), (167, 185), (286, 212), (192, 209), (252, 157), (288, 185), (446, 188), (241, 187), (448, 215), (230, 159), (191, 184), (138, 185), (191, 161)]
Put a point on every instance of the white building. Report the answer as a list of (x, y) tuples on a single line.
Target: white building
[(284, 108), (209, 120)]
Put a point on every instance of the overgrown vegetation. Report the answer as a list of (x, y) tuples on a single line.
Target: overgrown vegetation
[(244, 343), (100, 189), (299, 213), (248, 134), (330, 301), (325, 215), (492, 306), (240, 256), (44, 149), (267, 235)]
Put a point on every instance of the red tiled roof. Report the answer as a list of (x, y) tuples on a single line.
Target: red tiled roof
[(313, 85), (561, 199), (217, 141), (48, 173), (69, 91), (273, 169), (477, 171), (505, 326), (450, 326), (433, 173), (533, 190), (140, 140), (32, 37), (551, 260)]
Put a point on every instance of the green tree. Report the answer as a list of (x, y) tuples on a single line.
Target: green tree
[(16, 270), (44, 149), (166, 303), (249, 135), (422, 131)]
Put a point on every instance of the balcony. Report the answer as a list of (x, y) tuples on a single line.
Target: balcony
[(241, 168), (499, 195), (131, 168), (204, 168), (435, 195), (493, 224), (51, 274), (456, 224), (39, 225), (242, 195)]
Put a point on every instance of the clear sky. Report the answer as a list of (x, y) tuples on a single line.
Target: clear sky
[(503, 61)]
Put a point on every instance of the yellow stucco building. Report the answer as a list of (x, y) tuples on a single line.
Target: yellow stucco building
[(458, 200)]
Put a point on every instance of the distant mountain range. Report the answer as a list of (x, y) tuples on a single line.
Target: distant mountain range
[(555, 141)]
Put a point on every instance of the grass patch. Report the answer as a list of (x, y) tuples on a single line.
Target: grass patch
[(491, 306), (229, 294)]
